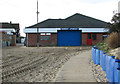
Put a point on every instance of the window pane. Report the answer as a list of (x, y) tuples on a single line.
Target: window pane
[(42, 33), (94, 36), (48, 33), (89, 36), (45, 37), (105, 36)]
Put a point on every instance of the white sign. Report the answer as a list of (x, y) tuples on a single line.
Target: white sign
[(69, 28)]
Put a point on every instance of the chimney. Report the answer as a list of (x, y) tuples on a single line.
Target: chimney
[(10, 22)]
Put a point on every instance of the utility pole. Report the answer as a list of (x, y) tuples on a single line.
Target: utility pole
[(37, 26)]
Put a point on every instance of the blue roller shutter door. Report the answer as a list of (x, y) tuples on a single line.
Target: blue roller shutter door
[(69, 38)]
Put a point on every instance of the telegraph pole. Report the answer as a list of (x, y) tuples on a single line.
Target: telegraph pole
[(37, 26)]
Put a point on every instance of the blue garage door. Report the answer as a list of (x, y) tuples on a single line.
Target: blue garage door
[(69, 38)]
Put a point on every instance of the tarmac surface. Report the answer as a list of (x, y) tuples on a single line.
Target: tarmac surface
[(77, 69)]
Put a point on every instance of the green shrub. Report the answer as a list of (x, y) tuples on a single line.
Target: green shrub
[(103, 46)]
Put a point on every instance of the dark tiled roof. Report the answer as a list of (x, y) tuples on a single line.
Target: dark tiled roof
[(9, 25), (5, 25), (16, 26), (74, 21)]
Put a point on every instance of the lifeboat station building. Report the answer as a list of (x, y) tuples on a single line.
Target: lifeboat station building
[(76, 30)]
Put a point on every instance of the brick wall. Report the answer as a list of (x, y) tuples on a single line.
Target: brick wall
[(10, 38), (94, 42), (99, 39), (84, 39), (32, 40)]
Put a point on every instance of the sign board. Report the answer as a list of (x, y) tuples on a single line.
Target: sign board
[(69, 29)]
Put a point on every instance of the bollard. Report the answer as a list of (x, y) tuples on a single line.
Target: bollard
[(117, 65), (97, 57)]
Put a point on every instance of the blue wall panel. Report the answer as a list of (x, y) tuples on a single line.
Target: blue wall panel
[(69, 38)]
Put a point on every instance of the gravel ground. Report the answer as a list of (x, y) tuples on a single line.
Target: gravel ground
[(21, 64), (98, 73)]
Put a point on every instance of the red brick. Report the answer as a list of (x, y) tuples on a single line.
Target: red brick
[(32, 40)]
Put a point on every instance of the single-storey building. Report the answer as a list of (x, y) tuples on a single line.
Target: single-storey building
[(75, 30)]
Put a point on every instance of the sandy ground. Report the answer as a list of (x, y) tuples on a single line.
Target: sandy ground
[(22, 64)]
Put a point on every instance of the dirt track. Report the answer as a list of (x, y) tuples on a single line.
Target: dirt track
[(21, 64)]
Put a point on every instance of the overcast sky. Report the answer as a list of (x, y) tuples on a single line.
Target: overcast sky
[(24, 11)]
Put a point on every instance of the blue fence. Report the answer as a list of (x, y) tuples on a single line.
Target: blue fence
[(108, 63)]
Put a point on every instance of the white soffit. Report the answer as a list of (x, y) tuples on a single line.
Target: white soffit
[(8, 30), (54, 30), (93, 30), (34, 30)]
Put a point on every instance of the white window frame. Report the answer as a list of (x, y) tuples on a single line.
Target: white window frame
[(48, 33), (42, 34)]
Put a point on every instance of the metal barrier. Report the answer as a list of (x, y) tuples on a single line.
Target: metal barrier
[(111, 70), (104, 61), (116, 66), (118, 79), (109, 64), (101, 57), (97, 57)]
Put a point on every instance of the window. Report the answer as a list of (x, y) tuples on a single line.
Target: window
[(105, 36), (89, 36), (94, 36), (45, 37), (42, 34), (48, 33)]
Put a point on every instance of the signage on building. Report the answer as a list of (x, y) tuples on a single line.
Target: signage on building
[(69, 29)]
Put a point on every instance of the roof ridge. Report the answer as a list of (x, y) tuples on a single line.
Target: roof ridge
[(84, 16)]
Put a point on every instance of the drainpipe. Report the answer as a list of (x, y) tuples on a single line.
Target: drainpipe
[(27, 39)]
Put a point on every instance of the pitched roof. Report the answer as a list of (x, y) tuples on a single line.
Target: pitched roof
[(75, 21), (9, 25), (5, 25)]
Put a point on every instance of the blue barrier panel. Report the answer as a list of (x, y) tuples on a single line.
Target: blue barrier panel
[(101, 57), (94, 57), (117, 65), (108, 65), (111, 72), (97, 57), (104, 59), (118, 70), (92, 53)]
